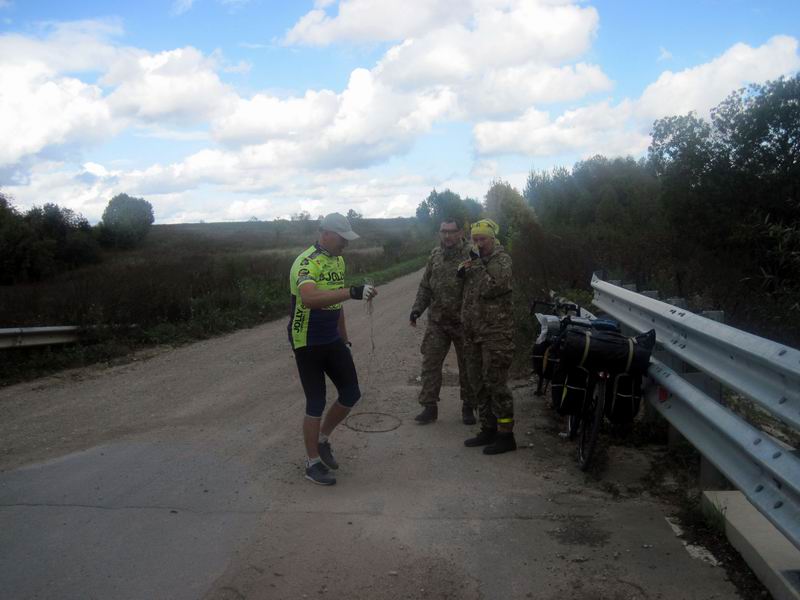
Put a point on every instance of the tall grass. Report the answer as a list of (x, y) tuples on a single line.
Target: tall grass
[(213, 279)]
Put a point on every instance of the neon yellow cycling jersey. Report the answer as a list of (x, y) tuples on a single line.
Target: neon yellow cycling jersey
[(317, 326)]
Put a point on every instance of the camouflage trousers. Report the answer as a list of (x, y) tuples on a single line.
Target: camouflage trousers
[(435, 346), (487, 365)]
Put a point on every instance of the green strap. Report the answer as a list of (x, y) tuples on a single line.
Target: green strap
[(630, 355), (587, 341)]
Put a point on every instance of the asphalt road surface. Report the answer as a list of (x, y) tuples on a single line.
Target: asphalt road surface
[(179, 476)]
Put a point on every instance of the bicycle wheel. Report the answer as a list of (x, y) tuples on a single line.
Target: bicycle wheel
[(591, 419)]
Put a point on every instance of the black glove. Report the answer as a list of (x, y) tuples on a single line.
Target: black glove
[(473, 255), (357, 292), (462, 270), (414, 316)]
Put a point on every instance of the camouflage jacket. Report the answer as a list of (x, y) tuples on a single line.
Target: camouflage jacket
[(487, 311), (440, 290)]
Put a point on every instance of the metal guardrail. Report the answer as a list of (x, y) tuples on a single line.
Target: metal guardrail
[(764, 371), (768, 373), (17, 337)]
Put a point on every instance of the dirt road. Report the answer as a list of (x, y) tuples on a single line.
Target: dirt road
[(179, 475)]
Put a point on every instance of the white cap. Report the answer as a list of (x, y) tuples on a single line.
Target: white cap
[(338, 223)]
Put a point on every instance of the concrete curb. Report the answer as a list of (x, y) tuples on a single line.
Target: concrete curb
[(774, 560)]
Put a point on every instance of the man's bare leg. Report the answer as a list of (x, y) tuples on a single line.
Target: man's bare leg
[(311, 435), (336, 414)]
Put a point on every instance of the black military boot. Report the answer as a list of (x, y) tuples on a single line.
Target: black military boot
[(467, 415), (485, 436), (504, 442), (429, 414)]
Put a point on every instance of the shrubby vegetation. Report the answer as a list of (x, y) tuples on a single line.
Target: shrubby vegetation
[(42, 242), (187, 282), (712, 214), (48, 240)]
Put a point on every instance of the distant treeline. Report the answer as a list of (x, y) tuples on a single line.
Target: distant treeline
[(712, 214)]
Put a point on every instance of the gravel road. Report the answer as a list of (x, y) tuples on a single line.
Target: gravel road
[(179, 475)]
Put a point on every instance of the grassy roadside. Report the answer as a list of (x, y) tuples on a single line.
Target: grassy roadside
[(258, 301)]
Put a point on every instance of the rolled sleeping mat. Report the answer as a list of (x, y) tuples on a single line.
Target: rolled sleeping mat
[(606, 350), (549, 326)]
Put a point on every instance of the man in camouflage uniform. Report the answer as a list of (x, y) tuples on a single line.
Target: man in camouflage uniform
[(488, 318), (440, 292)]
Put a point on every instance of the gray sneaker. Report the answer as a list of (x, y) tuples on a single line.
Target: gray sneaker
[(326, 454), (319, 474)]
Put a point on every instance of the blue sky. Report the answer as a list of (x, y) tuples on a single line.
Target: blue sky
[(222, 110)]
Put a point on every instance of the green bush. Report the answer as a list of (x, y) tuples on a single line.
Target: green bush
[(126, 221)]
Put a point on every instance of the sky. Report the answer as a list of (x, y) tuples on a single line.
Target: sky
[(227, 110)]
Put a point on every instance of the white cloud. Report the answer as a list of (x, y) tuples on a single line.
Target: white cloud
[(374, 20), (39, 110), (181, 6), (507, 90), (506, 58), (76, 46), (599, 128), (241, 67), (701, 88), (499, 67), (453, 70), (46, 105), (366, 123), (253, 46), (265, 117), (181, 135), (624, 128), (664, 54), (178, 85), (81, 190)]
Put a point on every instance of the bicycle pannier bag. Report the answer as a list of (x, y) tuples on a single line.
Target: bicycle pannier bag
[(538, 355), (623, 398), (568, 398)]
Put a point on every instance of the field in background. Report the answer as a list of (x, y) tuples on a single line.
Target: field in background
[(189, 282)]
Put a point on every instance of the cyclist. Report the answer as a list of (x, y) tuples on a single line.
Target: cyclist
[(318, 335)]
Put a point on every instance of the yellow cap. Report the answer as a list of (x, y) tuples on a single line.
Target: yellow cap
[(485, 227)]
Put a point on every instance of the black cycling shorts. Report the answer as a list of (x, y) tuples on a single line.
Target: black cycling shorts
[(333, 360)]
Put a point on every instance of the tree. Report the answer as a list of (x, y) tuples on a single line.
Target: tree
[(440, 206), (508, 208), (474, 210), (42, 242), (352, 215), (303, 215), (17, 244), (126, 221)]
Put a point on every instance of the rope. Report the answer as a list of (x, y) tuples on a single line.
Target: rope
[(369, 309), (393, 424)]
